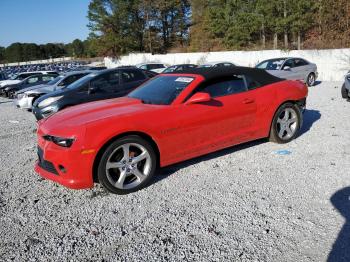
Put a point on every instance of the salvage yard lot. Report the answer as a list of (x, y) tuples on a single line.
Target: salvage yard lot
[(257, 201)]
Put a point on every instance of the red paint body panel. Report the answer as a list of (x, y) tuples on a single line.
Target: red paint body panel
[(180, 131)]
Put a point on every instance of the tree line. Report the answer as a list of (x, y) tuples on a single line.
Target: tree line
[(119, 27), (18, 52)]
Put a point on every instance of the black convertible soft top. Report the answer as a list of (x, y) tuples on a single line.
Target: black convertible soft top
[(212, 73)]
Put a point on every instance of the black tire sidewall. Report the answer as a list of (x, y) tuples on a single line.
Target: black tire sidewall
[(344, 92), (308, 80), (102, 164), (274, 132)]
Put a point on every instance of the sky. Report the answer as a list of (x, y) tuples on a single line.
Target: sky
[(43, 21)]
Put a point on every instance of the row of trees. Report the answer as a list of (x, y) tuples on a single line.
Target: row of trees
[(119, 26), (28, 51), (157, 26)]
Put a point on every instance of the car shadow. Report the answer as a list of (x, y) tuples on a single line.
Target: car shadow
[(169, 170), (310, 117), (317, 83), (341, 248)]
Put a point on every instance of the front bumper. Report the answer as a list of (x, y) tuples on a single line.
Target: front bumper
[(24, 102), (66, 166)]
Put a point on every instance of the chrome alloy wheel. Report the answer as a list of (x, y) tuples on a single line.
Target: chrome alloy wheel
[(311, 80), (128, 166), (287, 123)]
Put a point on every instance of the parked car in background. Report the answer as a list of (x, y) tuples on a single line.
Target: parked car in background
[(176, 68), (100, 85), (20, 77), (87, 68), (171, 118), (26, 97), (216, 64), (345, 90), (154, 67), (291, 68), (30, 81), (2, 76)]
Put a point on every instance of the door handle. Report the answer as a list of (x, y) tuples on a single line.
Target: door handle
[(248, 101)]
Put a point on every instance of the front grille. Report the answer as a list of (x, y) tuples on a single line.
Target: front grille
[(46, 165)]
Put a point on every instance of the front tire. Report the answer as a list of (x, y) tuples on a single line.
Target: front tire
[(127, 165), (286, 124), (344, 92)]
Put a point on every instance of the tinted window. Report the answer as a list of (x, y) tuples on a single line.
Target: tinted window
[(161, 90), (55, 80), (71, 79), (106, 83), (33, 80), (289, 63), (47, 78), (225, 87), (300, 62), (131, 75), (171, 69), (155, 66), (251, 83), (273, 64)]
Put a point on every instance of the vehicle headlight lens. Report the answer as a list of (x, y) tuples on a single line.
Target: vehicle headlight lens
[(48, 101), (60, 141)]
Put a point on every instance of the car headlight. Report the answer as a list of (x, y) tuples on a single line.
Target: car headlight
[(60, 141), (49, 101)]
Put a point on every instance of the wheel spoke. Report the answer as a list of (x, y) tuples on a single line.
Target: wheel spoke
[(140, 157), (286, 115), (281, 132), (126, 151), (139, 174), (121, 180), (280, 121), (111, 165), (289, 131), (292, 120)]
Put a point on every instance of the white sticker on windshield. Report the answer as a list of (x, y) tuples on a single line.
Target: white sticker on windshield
[(184, 79)]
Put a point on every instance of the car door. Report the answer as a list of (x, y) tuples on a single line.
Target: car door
[(291, 72), (226, 120), (301, 68), (130, 79)]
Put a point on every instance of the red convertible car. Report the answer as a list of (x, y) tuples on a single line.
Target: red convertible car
[(121, 142)]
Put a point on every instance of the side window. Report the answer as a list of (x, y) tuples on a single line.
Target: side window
[(251, 83), (47, 78), (144, 67), (289, 63), (132, 76), (69, 80), (300, 62), (227, 86), (106, 83), (33, 80)]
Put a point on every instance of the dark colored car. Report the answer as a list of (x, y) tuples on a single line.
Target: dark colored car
[(30, 81), (100, 85), (2, 76), (345, 90), (176, 68)]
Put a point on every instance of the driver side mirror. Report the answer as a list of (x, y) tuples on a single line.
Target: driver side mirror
[(198, 98), (287, 68), (91, 89)]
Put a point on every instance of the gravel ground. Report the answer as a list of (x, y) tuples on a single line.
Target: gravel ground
[(246, 203)]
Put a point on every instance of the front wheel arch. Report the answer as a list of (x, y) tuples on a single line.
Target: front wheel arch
[(142, 135)]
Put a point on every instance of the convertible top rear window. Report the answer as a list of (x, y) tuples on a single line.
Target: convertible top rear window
[(161, 90)]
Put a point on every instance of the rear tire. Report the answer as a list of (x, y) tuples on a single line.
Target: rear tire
[(127, 165), (311, 79), (286, 124), (344, 92)]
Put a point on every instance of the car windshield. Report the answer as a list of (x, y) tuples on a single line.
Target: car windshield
[(205, 66), (273, 64), (55, 80), (162, 90), (81, 81)]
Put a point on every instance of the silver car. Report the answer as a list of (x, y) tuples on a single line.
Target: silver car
[(345, 90), (25, 98), (292, 68)]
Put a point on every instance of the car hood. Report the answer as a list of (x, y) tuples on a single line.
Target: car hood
[(9, 82), (83, 114)]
